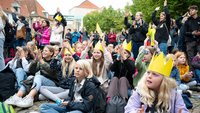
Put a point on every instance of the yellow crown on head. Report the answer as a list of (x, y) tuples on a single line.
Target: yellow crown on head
[(160, 65), (58, 18), (127, 46), (99, 46), (66, 51)]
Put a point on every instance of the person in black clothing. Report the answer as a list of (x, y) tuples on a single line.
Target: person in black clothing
[(123, 68), (68, 36), (163, 27), (192, 33), (137, 31), (81, 95)]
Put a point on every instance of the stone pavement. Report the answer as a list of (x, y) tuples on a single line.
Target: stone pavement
[(34, 109)]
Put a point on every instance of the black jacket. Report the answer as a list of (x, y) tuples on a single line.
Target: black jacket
[(88, 93), (191, 25), (124, 69), (163, 28), (137, 34)]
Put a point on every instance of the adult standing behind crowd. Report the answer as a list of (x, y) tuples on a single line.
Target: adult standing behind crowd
[(163, 27), (3, 18), (137, 31), (192, 32)]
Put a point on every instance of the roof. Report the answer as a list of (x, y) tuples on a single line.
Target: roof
[(26, 7), (87, 4)]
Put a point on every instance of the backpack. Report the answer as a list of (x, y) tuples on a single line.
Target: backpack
[(4, 108), (100, 101), (21, 31), (116, 105), (7, 83)]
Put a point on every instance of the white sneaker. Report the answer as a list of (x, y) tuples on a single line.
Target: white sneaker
[(25, 102), (13, 100)]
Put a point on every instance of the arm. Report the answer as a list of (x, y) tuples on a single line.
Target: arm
[(178, 22), (179, 104), (138, 62), (25, 64), (1, 25), (128, 25), (168, 17), (153, 17), (34, 67), (133, 104), (107, 59), (144, 28)]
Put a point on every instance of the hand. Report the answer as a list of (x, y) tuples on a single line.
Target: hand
[(141, 22), (127, 14), (165, 3), (157, 9), (12, 9), (195, 33), (65, 103), (39, 55), (145, 42), (180, 110), (91, 38), (22, 55), (141, 110)]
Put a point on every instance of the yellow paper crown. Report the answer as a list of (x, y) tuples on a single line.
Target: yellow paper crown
[(99, 46), (58, 18), (127, 46), (66, 51), (160, 65)]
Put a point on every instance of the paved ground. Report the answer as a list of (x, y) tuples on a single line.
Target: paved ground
[(34, 109)]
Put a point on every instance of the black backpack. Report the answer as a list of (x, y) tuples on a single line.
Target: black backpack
[(7, 83), (100, 101), (116, 105)]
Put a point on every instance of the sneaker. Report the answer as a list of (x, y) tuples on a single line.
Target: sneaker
[(25, 102), (13, 100)]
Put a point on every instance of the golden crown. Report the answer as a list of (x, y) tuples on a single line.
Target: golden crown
[(127, 46), (58, 18), (160, 65), (99, 46)]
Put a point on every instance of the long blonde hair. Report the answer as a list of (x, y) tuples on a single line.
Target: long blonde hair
[(163, 97), (85, 65), (69, 66)]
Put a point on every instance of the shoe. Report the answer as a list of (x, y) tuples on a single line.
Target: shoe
[(195, 88), (187, 92), (41, 97), (25, 102), (13, 100)]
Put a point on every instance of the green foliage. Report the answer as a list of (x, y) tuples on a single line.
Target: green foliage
[(107, 18), (176, 7)]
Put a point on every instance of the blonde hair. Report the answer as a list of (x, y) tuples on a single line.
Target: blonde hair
[(85, 65), (148, 96), (69, 66)]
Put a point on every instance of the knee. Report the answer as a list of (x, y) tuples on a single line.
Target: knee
[(43, 107)]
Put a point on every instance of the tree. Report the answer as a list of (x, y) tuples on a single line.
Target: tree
[(107, 18), (176, 7)]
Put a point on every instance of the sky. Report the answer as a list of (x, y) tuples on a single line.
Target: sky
[(51, 5)]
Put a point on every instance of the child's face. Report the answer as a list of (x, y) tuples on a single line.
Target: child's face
[(181, 59), (68, 58), (85, 44), (153, 80), (147, 56), (79, 72), (56, 51), (97, 54), (46, 53), (79, 48)]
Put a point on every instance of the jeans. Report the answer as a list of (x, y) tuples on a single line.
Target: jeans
[(163, 47), (54, 108), (40, 80), (197, 75), (2, 63), (20, 75)]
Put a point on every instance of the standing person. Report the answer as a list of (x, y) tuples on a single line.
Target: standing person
[(163, 27), (3, 18), (192, 33), (68, 36), (112, 37), (156, 91), (137, 31), (43, 33), (81, 95), (75, 36)]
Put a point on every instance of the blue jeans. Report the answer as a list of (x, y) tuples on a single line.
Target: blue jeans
[(20, 75), (2, 63), (54, 108), (197, 75), (40, 80), (163, 47)]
